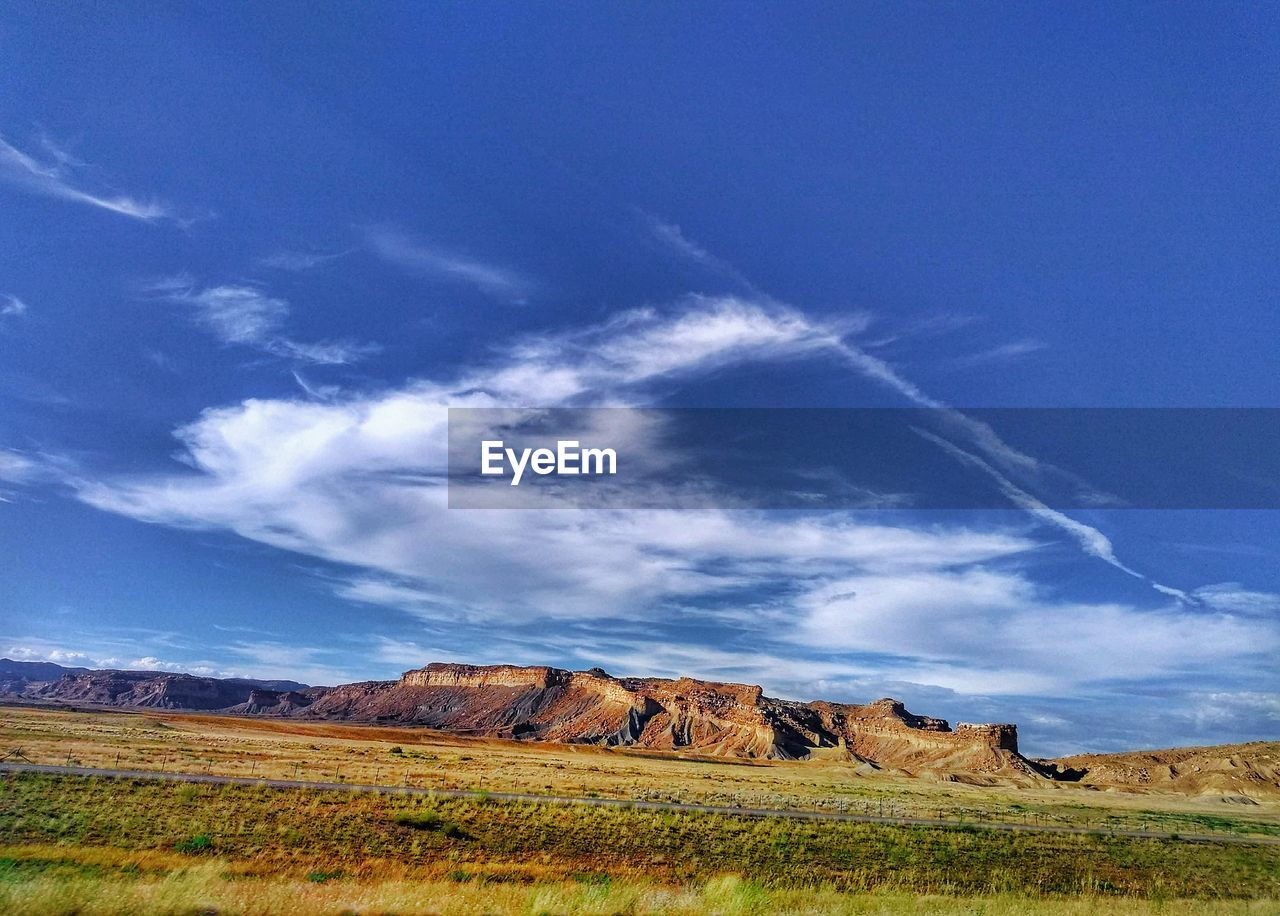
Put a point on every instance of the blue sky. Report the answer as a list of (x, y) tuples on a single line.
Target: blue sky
[(250, 253)]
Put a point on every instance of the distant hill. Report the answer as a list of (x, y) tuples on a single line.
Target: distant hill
[(551, 704), (687, 715), (131, 688), (34, 671), (682, 715), (1233, 771)]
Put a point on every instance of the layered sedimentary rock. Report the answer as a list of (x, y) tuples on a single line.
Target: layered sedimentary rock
[(730, 720), (264, 702), (1235, 772), (684, 715), (550, 704), (150, 689), (17, 677)]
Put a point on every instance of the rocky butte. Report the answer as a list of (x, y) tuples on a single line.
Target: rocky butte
[(700, 717), (539, 703), (683, 716)]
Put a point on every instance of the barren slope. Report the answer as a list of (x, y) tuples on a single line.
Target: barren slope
[(732, 720), (1231, 770)]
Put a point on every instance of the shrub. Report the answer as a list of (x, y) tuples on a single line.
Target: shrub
[(424, 820), (200, 842), (431, 821)]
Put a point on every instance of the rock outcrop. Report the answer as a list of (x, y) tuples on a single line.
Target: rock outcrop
[(264, 702), (144, 689), (18, 677), (715, 719), (1235, 772), (684, 715), (539, 703)]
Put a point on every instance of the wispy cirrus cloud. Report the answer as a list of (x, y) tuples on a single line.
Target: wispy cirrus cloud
[(1002, 353), (1003, 459), (12, 307), (360, 481), (63, 179), (964, 623), (29, 649), (928, 326), (16, 467), (672, 237), (1092, 541), (248, 316), (299, 261), (419, 257)]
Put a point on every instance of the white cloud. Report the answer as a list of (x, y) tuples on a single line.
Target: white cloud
[(673, 238), (409, 654), (16, 467), (1092, 541), (268, 660), (645, 346), (247, 316), (416, 256), (928, 326), (151, 663), (28, 468), (981, 435), (57, 179), (235, 314), (981, 630), (1228, 708), (360, 481), (299, 261), (1232, 597), (263, 660), (42, 651), (1002, 353), (11, 306)]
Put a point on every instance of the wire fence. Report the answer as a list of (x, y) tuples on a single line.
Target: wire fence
[(398, 771)]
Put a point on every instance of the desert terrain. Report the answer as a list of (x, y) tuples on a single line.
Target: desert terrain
[(355, 806)]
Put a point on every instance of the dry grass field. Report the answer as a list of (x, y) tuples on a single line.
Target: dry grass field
[(224, 745), (128, 837), (98, 846)]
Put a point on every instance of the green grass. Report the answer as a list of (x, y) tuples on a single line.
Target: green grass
[(116, 889), (276, 832), (201, 842), (431, 821), (222, 745)]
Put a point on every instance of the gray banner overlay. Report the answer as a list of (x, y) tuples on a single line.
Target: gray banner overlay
[(922, 458)]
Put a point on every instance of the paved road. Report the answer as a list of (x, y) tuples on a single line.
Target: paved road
[(792, 814)]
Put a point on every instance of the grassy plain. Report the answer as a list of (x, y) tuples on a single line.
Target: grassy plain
[(319, 751), (66, 829), (84, 845)]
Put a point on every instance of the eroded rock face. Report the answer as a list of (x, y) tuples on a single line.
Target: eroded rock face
[(540, 703), (731, 720), (1237, 773), (146, 689), (264, 702)]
